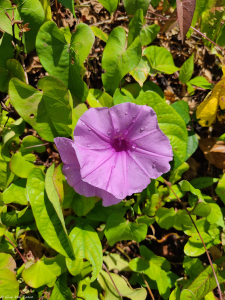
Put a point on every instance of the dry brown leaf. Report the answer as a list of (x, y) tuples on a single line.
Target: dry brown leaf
[(185, 12), (214, 151)]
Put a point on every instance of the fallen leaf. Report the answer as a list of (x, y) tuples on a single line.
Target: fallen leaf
[(214, 151)]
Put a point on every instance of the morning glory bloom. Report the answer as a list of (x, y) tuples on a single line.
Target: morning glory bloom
[(115, 152)]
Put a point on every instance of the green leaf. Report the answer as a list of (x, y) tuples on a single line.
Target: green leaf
[(86, 245), (203, 182), (201, 82), (68, 4), (118, 229), (47, 220), (65, 60), (220, 38), (65, 192), (37, 108), (101, 213), (5, 24), (192, 143), (44, 272), (141, 72), (100, 34), (61, 291), (77, 113), (165, 217), (115, 261), (187, 69), (203, 284), (131, 6), (171, 124), (53, 195), (30, 142), (112, 294), (9, 286), (7, 262), (6, 47), (135, 26), (55, 92), (97, 98), (220, 189), (176, 174), (160, 59), (117, 61), (187, 187), (32, 12), (182, 109), (47, 9), (16, 193), (6, 176), (202, 209), (148, 34), (194, 246), (110, 5), (85, 291), (22, 165), (13, 69), (153, 266)]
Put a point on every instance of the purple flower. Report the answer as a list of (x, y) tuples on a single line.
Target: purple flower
[(115, 152)]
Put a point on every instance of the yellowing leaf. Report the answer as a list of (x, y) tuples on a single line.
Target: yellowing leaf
[(207, 110), (222, 95)]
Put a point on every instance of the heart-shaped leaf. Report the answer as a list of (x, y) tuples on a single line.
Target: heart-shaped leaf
[(64, 60), (117, 61)]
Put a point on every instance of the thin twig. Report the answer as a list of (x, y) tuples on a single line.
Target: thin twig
[(148, 287), (205, 37), (105, 268), (57, 14), (37, 146), (207, 252), (17, 250)]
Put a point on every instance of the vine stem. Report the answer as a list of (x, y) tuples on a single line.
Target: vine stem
[(104, 267), (17, 250), (207, 252)]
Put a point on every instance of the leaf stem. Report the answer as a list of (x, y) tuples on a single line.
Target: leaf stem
[(105, 268), (148, 287), (17, 250), (207, 252)]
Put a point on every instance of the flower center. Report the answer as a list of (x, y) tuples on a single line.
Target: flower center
[(119, 144)]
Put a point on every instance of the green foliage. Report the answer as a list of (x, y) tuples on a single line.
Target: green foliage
[(117, 61), (53, 241), (117, 229), (87, 245), (160, 59)]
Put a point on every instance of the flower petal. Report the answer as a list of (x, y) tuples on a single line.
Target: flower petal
[(94, 129), (72, 175), (66, 150), (107, 198), (135, 120), (152, 153)]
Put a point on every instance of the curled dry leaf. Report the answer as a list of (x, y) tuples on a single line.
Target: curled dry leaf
[(185, 12), (214, 151)]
